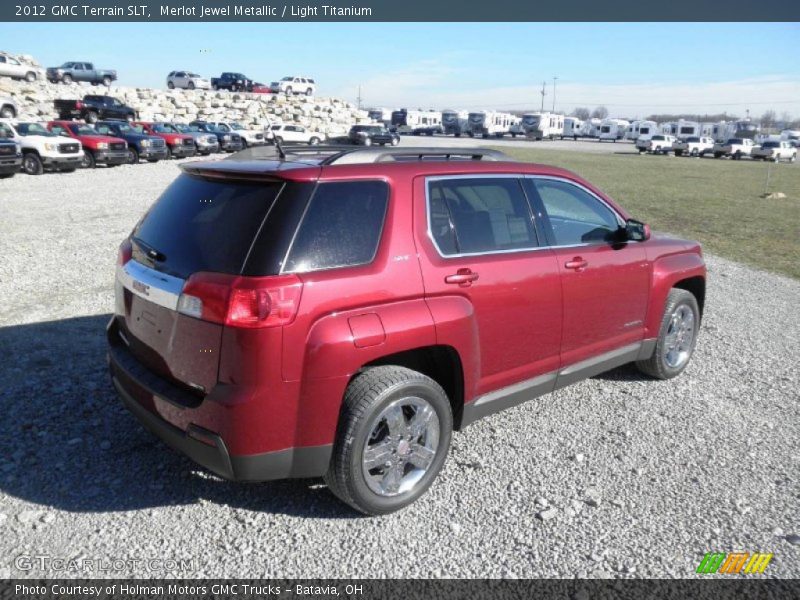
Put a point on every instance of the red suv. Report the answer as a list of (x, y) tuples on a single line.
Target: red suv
[(98, 149), (338, 312)]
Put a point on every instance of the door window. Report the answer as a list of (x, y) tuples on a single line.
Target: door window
[(576, 216), (479, 215)]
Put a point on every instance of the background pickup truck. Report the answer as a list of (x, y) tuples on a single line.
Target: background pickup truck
[(94, 108), (80, 71), (235, 82)]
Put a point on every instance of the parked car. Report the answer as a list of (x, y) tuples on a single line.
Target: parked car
[(187, 80), (294, 85), (81, 71), (140, 145), (260, 88), (229, 141), (179, 145), (43, 150), (250, 137), (776, 151), (693, 146), (736, 148), (94, 108), (446, 286), (294, 134), (235, 82), (12, 67), (10, 153), (368, 135), (205, 143), (656, 144), (97, 149), (8, 108)]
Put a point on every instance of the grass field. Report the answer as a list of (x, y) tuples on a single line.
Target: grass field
[(716, 202)]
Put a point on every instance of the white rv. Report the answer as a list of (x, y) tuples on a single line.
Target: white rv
[(641, 129), (417, 122), (591, 128), (454, 122), (381, 115), (682, 129), (485, 123), (539, 126), (572, 127), (791, 135), (725, 130), (613, 129)]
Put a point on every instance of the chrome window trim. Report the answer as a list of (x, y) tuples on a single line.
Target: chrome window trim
[(433, 178)]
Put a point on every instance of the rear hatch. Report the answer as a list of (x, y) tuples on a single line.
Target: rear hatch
[(197, 225)]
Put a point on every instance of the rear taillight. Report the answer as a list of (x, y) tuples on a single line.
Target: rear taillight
[(125, 253), (241, 301)]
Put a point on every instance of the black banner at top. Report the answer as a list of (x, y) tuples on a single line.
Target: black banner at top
[(398, 10)]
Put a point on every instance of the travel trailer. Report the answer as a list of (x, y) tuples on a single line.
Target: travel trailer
[(612, 129), (485, 123), (682, 129), (454, 122), (725, 130), (791, 135), (381, 115), (417, 122), (539, 126), (572, 127), (590, 128), (641, 129)]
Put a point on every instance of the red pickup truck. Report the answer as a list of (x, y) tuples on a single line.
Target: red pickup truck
[(179, 145), (97, 149)]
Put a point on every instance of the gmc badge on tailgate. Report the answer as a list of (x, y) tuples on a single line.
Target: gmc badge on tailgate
[(141, 287)]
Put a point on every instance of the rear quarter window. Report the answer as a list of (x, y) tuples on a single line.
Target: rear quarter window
[(342, 226)]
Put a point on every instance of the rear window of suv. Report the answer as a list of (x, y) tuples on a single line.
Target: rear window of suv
[(203, 225), (341, 227)]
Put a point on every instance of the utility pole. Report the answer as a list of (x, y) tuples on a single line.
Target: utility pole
[(359, 97), (554, 92), (543, 93)]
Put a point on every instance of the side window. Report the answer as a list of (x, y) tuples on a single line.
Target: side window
[(576, 216), (472, 215), (341, 228)]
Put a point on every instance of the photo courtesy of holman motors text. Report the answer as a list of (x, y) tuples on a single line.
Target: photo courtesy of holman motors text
[(399, 299)]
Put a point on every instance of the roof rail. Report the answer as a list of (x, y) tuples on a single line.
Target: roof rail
[(342, 154)]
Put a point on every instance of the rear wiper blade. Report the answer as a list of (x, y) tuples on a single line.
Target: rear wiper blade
[(151, 252)]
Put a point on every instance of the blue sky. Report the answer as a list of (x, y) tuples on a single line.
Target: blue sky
[(634, 69)]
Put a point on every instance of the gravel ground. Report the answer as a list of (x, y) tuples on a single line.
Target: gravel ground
[(616, 476)]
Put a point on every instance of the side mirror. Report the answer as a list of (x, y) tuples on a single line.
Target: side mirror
[(637, 231)]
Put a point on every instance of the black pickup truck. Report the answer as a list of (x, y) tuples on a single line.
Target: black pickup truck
[(235, 82), (94, 108)]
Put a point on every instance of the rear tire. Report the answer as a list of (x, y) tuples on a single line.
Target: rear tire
[(314, 141), (396, 415), (368, 141), (30, 76), (677, 337), (92, 117), (309, 91), (8, 112)]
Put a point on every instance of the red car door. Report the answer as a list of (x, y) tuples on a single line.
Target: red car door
[(605, 281), (489, 282)]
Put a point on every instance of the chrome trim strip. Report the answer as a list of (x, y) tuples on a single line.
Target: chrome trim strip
[(516, 388), (601, 359), (158, 288)]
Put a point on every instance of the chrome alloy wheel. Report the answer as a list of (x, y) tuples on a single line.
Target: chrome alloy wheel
[(401, 446), (679, 338)]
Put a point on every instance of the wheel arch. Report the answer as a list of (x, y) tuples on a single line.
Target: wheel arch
[(697, 287)]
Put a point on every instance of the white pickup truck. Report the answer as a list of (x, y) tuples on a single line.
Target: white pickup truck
[(693, 146), (657, 144), (44, 150), (775, 150), (250, 137), (736, 148)]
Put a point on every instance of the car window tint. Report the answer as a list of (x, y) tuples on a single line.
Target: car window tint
[(576, 216), (480, 215), (341, 228)]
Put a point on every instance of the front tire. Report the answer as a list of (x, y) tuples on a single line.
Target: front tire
[(66, 79), (107, 81), (32, 164), (392, 440), (88, 161), (133, 156), (30, 76), (676, 338), (314, 141), (170, 85), (92, 117)]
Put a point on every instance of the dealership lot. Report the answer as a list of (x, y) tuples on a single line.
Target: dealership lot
[(645, 477)]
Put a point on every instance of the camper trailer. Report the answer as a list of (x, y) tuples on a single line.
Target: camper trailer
[(416, 122), (572, 128), (612, 129), (641, 129), (485, 123), (590, 128), (725, 130), (539, 126), (381, 115), (682, 129), (454, 122), (791, 135)]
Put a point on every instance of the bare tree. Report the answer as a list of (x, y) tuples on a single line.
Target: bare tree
[(768, 119), (785, 119), (581, 113), (601, 112)]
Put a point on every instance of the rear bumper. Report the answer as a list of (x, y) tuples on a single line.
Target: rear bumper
[(139, 387)]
